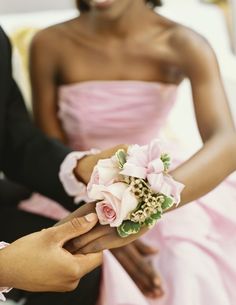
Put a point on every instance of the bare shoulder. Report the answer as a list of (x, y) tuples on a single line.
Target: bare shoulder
[(189, 44), (51, 38), (181, 38)]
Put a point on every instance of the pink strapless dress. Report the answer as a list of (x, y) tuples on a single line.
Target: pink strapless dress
[(197, 242)]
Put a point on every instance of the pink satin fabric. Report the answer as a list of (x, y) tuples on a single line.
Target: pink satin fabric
[(197, 242)]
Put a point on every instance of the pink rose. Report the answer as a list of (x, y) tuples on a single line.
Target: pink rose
[(165, 184), (143, 160), (118, 201), (104, 173)]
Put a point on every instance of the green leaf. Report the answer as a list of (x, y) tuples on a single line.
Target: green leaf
[(165, 158), (150, 222), (128, 227), (156, 216), (167, 203), (121, 232), (121, 157)]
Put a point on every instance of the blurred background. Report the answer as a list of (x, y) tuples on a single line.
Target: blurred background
[(22, 6)]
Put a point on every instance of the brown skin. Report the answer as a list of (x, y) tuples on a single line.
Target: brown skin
[(129, 42), (85, 166), (38, 262), (131, 253)]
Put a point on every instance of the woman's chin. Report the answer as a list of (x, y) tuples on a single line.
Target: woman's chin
[(102, 4)]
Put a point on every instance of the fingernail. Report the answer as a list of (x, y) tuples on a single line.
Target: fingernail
[(91, 217), (149, 295), (157, 281), (159, 292), (154, 250)]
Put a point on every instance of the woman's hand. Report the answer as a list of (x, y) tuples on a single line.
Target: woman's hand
[(134, 259), (99, 238), (85, 166), (38, 262)]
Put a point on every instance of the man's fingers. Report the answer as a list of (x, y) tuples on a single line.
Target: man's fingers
[(74, 227), (100, 244), (76, 244), (88, 262), (110, 241), (80, 212), (145, 249)]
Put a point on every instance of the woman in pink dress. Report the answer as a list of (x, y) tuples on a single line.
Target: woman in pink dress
[(111, 76)]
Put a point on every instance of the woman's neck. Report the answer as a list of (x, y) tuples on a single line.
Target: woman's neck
[(120, 23)]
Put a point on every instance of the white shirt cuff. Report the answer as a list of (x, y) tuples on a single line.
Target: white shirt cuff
[(72, 186)]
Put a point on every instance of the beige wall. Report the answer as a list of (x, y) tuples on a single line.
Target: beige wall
[(15, 6), (233, 6)]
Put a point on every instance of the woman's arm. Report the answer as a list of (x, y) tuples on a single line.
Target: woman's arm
[(217, 158), (44, 74), (212, 163)]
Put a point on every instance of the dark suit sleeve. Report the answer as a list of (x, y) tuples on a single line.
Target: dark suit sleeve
[(29, 157)]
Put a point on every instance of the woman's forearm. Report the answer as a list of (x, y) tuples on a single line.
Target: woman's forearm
[(208, 167)]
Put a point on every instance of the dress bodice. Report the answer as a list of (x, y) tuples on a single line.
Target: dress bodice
[(105, 113)]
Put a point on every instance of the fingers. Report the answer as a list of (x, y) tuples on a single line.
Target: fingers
[(110, 241), (150, 279), (132, 265), (73, 228), (145, 249), (76, 244), (88, 262), (158, 291), (80, 212), (102, 243)]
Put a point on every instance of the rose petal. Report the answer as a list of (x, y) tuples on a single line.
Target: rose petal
[(121, 207), (95, 192), (103, 219), (137, 155), (176, 188), (129, 203), (117, 189), (166, 185), (166, 189), (134, 171), (94, 179), (107, 170), (156, 181), (156, 166), (154, 150), (116, 205)]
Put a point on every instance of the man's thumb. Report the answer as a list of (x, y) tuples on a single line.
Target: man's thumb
[(74, 227)]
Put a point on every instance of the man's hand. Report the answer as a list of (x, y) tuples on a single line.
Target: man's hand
[(134, 259), (38, 262), (85, 166)]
